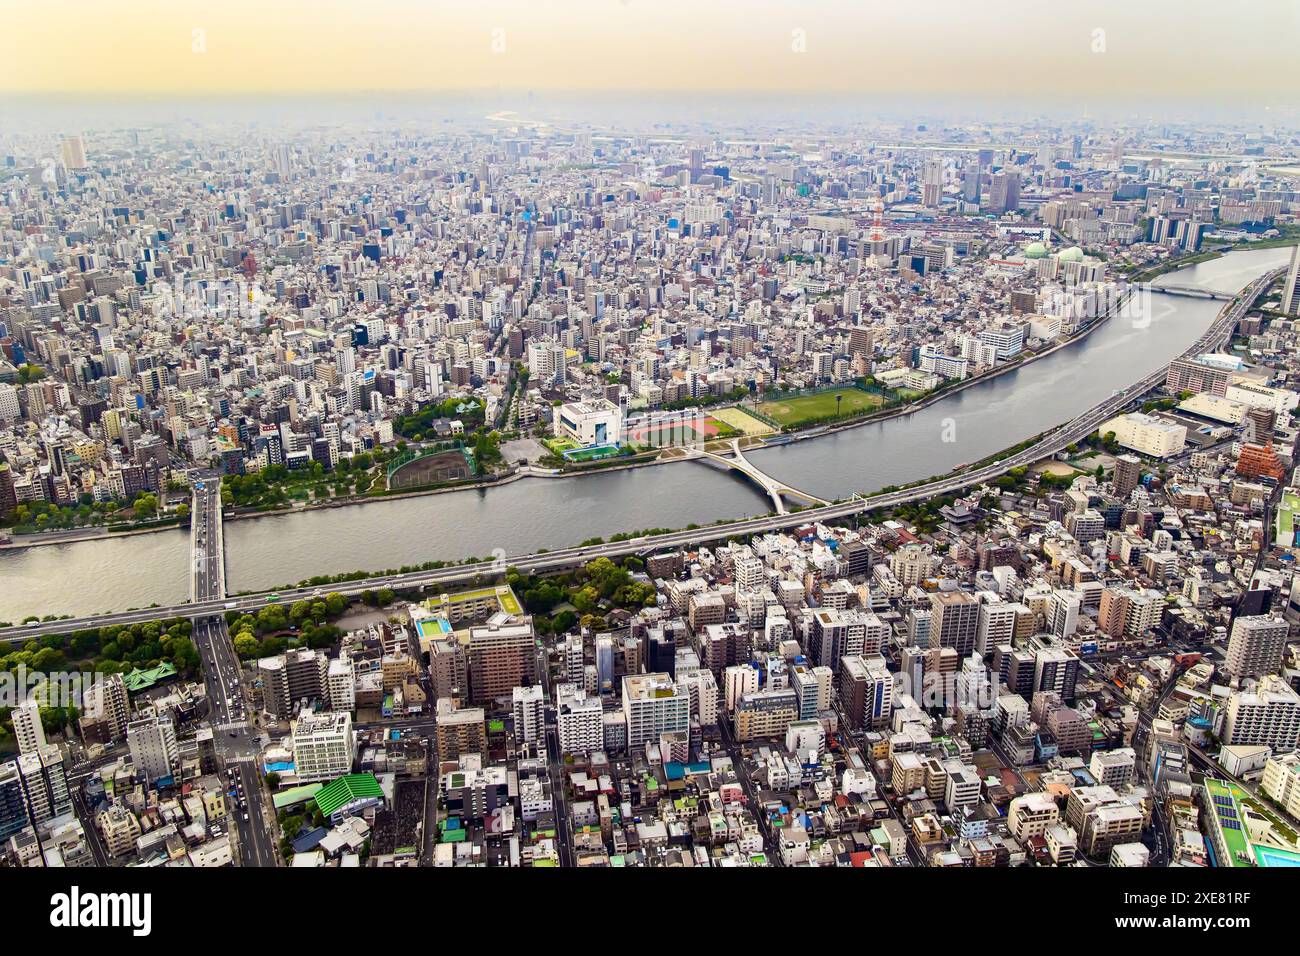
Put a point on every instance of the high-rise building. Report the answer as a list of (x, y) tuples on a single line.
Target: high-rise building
[(342, 686), (579, 720), (8, 494), (1004, 193), (1128, 472), (1267, 714), (1256, 646), (812, 685), (45, 784), (529, 707), (449, 669), (297, 675), (459, 730), (1113, 768), (13, 800), (767, 713), (73, 151), (1260, 461), (28, 729), (1056, 669), (502, 655), (323, 746), (738, 680), (154, 751), (867, 690), (653, 705), (105, 710), (605, 663), (1125, 612), (1291, 291), (955, 622), (1063, 612)]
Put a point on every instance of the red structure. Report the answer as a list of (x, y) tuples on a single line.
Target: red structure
[(1259, 461)]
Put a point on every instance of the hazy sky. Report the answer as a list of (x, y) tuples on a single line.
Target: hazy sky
[(1100, 48)]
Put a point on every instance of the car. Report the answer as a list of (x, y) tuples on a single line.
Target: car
[(234, 734)]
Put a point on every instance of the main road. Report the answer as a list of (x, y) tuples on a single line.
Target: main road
[(1047, 444), (233, 737)]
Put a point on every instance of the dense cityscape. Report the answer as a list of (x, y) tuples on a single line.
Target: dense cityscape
[(517, 487)]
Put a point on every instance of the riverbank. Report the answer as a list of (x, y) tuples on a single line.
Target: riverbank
[(815, 431), (960, 478), (39, 539)]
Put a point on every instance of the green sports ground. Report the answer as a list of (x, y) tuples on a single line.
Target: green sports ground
[(819, 406)]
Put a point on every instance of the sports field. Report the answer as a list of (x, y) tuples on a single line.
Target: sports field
[(674, 431), (742, 421), (681, 431), (820, 406), (591, 454)]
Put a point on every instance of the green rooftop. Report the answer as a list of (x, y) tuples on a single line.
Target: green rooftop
[(295, 795), (1251, 833), (139, 679), (355, 786)]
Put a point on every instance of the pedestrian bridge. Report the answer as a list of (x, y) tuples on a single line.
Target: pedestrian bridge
[(777, 490)]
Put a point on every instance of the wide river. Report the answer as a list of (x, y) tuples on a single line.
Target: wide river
[(114, 574)]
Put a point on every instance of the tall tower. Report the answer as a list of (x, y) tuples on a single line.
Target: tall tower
[(1291, 292), (878, 222)]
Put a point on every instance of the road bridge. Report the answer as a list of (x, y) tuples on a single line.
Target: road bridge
[(207, 545), (1191, 290)]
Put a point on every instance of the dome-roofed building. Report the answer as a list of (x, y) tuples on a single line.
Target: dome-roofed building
[(1035, 250), (1073, 254)]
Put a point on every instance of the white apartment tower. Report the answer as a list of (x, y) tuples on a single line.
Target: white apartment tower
[(653, 706)]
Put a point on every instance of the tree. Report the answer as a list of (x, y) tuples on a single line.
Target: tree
[(246, 645), (30, 373)]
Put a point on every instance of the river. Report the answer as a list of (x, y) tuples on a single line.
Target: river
[(103, 575)]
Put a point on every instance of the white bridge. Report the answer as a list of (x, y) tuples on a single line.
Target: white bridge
[(1195, 291), (775, 489)]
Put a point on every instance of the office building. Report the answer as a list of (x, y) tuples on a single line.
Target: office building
[(323, 746)]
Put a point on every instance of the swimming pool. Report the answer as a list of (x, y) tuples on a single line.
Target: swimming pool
[(1268, 856)]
